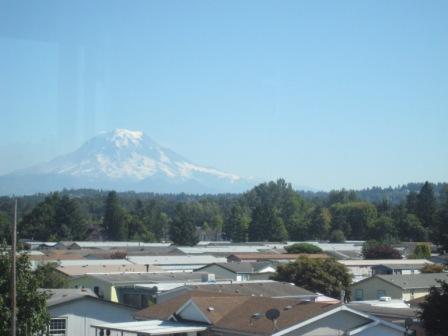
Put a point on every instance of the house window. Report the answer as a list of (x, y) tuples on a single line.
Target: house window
[(380, 293), (359, 294), (58, 326)]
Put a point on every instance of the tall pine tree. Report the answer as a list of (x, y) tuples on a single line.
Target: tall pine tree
[(182, 229), (114, 221), (426, 205)]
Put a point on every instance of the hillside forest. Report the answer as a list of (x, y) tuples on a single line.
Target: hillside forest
[(271, 211)]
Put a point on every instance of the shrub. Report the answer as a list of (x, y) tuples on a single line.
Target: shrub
[(421, 251), (303, 248), (378, 250)]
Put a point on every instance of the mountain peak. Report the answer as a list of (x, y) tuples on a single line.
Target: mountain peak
[(121, 137), (124, 159)]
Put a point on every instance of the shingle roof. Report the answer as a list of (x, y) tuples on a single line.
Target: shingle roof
[(236, 313), (411, 281)]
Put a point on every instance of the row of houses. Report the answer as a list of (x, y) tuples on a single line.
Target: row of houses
[(228, 290)]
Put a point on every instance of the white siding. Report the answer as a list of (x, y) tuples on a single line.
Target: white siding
[(81, 314)]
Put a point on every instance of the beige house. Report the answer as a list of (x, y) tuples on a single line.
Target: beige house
[(403, 287)]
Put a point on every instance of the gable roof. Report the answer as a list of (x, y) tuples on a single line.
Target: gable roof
[(237, 313), (164, 310)]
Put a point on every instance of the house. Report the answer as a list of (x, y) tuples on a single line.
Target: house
[(278, 257), (127, 288), (391, 311), (263, 288), (239, 271), (403, 287), (74, 311), (361, 269), (225, 315), (397, 269)]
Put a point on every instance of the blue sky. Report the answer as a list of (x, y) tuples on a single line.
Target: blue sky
[(327, 94)]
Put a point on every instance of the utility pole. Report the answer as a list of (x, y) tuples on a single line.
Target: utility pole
[(13, 273)]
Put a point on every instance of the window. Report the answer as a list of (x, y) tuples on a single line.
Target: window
[(359, 294), (58, 326), (380, 293)]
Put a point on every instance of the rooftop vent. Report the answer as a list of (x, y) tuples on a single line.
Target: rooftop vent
[(256, 316)]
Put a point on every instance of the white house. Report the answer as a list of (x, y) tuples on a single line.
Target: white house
[(74, 311)]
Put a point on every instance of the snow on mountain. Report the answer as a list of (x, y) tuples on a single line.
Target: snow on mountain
[(122, 160)]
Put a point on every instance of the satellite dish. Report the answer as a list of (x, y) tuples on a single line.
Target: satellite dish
[(272, 314)]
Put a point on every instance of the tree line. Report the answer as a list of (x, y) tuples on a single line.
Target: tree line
[(271, 211)]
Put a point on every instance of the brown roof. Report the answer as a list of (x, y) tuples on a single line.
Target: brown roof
[(239, 314), (275, 256), (235, 312), (164, 310)]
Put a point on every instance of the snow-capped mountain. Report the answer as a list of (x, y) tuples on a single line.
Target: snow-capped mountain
[(122, 160)]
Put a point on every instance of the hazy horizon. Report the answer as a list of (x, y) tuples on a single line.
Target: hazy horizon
[(325, 95)]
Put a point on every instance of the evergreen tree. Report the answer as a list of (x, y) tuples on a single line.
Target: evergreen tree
[(238, 224), (442, 223), (69, 222), (426, 205), (320, 223), (412, 202), (114, 222), (182, 229)]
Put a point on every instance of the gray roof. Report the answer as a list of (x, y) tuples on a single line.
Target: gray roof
[(58, 296), (410, 281), (242, 267), (141, 278), (265, 289)]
